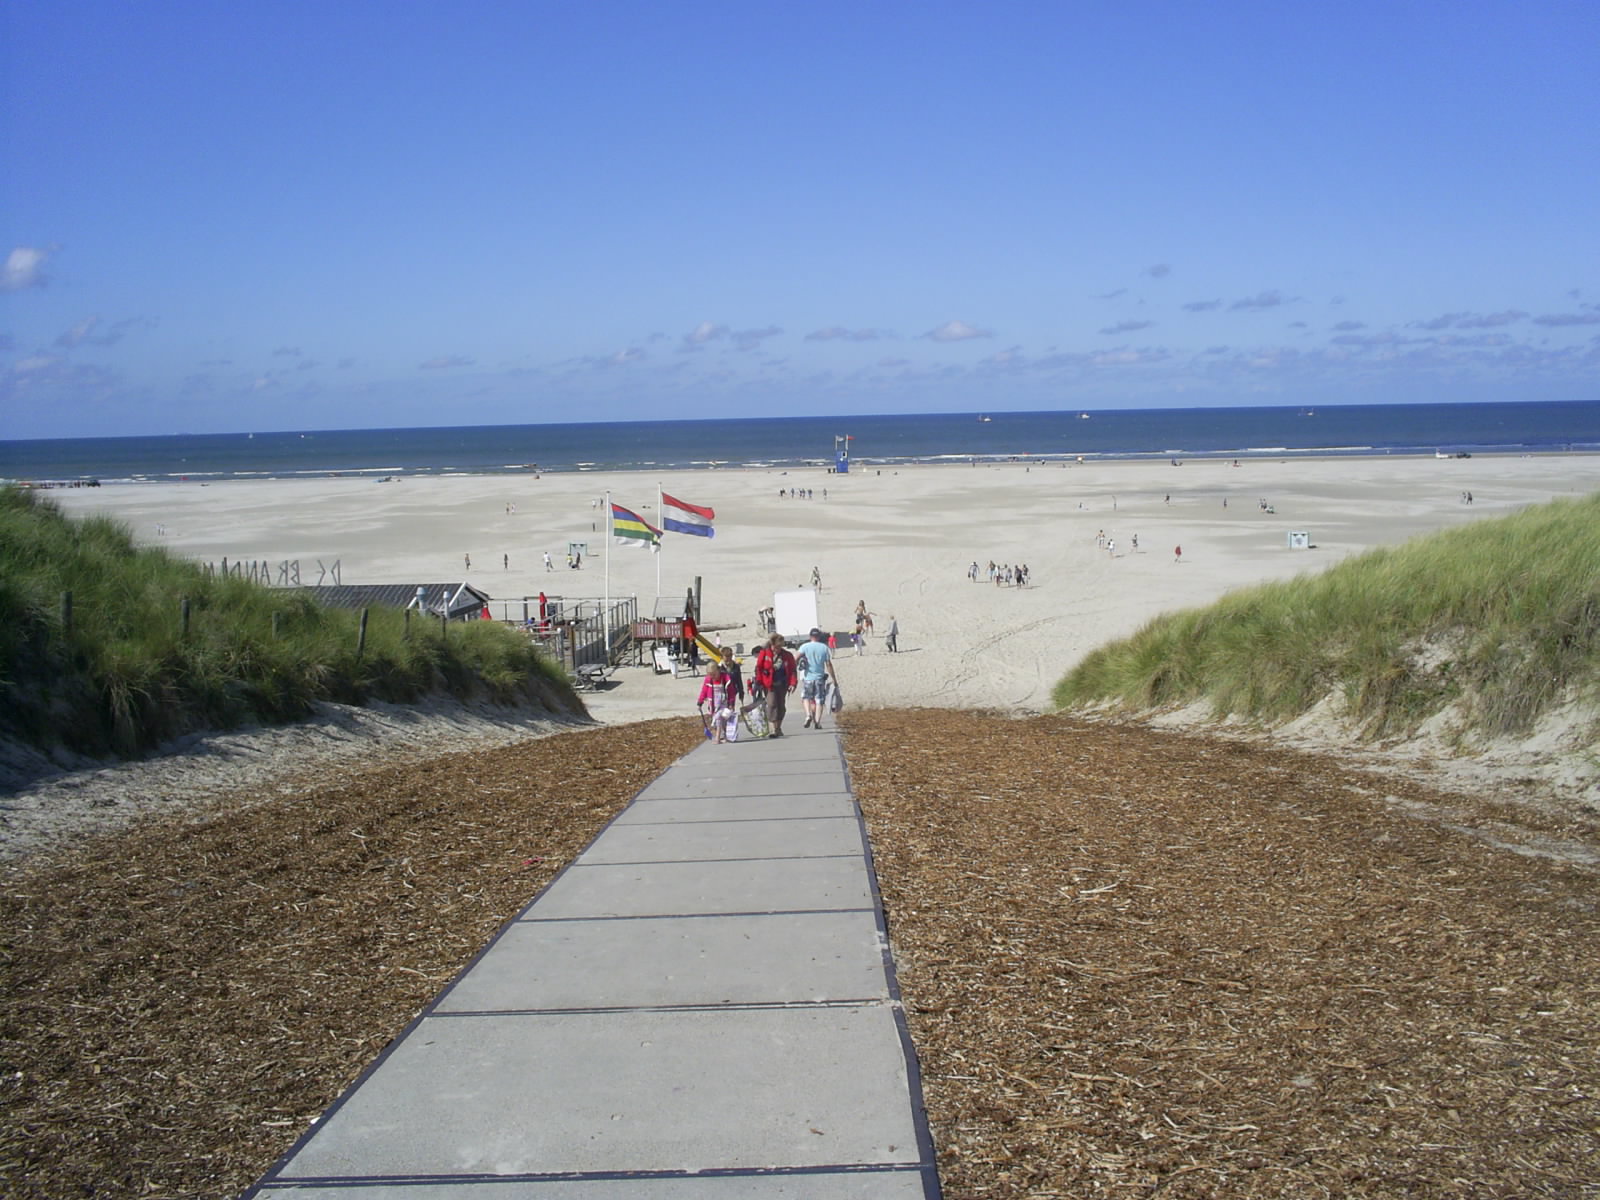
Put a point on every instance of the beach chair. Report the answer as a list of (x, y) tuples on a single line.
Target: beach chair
[(589, 677)]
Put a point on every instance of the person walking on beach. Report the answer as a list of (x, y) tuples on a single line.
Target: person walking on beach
[(776, 676), (892, 639), (468, 558), (816, 668), (548, 565), (718, 689), (1177, 554)]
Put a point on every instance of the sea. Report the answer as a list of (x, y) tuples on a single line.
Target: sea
[(888, 440)]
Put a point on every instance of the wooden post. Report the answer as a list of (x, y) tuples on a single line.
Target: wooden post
[(183, 615), (361, 636), (66, 613)]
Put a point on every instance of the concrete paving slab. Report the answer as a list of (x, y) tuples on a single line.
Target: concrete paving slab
[(675, 889), (800, 779), (677, 1090), (731, 808), (777, 958), (749, 838), (894, 1183)]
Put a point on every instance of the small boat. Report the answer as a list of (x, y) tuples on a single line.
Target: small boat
[(983, 418), (1083, 416)]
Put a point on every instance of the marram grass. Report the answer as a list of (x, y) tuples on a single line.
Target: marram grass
[(126, 675), (1500, 617)]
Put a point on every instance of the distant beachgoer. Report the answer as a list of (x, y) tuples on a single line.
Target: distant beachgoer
[(1136, 541), (816, 667), (816, 578), (1177, 554), (505, 561), (468, 558), (892, 640), (548, 565)]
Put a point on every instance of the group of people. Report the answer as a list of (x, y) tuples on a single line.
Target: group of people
[(801, 493), (778, 672), (1000, 574)]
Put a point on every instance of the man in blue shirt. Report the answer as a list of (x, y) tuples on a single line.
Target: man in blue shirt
[(816, 665)]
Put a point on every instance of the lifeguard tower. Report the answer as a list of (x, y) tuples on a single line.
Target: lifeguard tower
[(841, 453)]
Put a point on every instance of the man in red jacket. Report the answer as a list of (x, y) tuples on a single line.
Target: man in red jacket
[(776, 677)]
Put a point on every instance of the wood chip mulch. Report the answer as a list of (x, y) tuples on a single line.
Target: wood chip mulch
[(1144, 963), (180, 999)]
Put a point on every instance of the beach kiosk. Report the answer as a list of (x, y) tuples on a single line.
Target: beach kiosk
[(841, 453)]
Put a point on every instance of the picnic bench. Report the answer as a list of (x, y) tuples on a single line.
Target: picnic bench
[(590, 676)]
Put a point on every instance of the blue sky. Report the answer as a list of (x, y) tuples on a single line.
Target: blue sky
[(271, 215)]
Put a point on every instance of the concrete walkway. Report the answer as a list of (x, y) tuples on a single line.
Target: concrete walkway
[(700, 1006)]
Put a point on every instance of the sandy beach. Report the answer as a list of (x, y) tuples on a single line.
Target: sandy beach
[(901, 540)]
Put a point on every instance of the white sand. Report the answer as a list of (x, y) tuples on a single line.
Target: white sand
[(901, 540)]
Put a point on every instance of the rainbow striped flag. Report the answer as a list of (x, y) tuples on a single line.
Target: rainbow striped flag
[(630, 529)]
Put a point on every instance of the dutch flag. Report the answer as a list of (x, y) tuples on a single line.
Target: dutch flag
[(686, 518)]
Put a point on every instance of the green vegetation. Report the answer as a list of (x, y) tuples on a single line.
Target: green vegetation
[(1499, 617), (122, 674)]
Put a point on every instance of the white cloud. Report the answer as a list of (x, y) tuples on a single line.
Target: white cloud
[(444, 361), (956, 331), (24, 269)]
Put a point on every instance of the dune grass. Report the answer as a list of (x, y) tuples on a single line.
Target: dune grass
[(121, 673), (1499, 617)]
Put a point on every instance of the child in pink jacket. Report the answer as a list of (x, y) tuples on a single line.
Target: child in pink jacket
[(722, 693)]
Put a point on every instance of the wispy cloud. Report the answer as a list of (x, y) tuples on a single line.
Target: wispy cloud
[(1261, 300), (1588, 318), (956, 331), (287, 352), (838, 333), (1202, 306), (24, 268), (1127, 327), (1158, 271), (751, 339), (1470, 320), (444, 362), (701, 334), (1349, 326), (1112, 295), (90, 332)]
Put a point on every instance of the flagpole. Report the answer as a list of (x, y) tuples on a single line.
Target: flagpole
[(605, 607), (659, 540)]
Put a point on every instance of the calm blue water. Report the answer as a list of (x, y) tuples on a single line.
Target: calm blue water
[(792, 441)]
